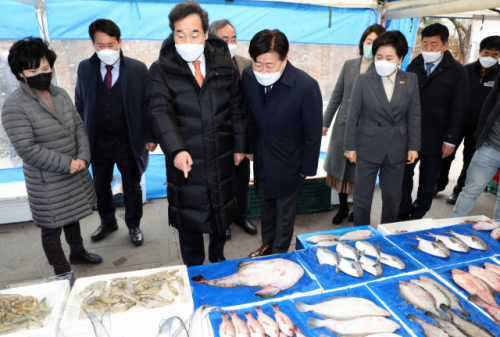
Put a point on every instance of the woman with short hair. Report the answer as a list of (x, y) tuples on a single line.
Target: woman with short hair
[(47, 133)]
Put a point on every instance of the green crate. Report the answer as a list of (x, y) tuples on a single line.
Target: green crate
[(492, 187), (314, 197)]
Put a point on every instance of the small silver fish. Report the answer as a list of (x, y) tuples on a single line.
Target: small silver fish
[(321, 237), (431, 248), (369, 248), (326, 256), (347, 251), (352, 268), (451, 242), (371, 266), (356, 235), (392, 261), (473, 241)]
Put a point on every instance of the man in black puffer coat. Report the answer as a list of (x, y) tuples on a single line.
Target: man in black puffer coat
[(197, 116)]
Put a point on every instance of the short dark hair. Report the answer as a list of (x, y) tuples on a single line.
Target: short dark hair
[(376, 28), (490, 42), (185, 9), (104, 26), (436, 29), (27, 53), (219, 24), (266, 41), (393, 38)]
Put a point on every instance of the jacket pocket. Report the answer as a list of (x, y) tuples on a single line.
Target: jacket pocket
[(403, 129), (41, 177), (367, 130)]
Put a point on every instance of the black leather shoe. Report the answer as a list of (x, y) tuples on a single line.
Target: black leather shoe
[(228, 234), (403, 217), (452, 199), (247, 226), (351, 217), (136, 236), (214, 260), (103, 231), (84, 257), (340, 216)]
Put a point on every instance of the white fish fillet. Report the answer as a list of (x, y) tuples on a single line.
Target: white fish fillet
[(356, 235), (343, 308), (326, 256), (362, 325), (326, 243), (321, 237)]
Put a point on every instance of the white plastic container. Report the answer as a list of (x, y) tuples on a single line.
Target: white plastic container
[(438, 223), (14, 205), (408, 226), (136, 322)]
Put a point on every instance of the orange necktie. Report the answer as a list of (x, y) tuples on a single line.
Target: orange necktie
[(197, 74)]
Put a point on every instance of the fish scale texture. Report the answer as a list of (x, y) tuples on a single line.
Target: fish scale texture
[(47, 142)]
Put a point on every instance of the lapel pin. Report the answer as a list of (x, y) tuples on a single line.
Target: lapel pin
[(401, 82)]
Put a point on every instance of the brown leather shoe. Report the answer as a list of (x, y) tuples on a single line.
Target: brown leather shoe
[(262, 251)]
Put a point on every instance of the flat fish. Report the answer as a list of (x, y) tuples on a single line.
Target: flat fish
[(473, 286), (369, 248), (468, 327), (326, 256), (429, 330), (226, 328), (451, 329), (392, 261), (486, 225), (356, 326), (371, 266), (439, 296), (492, 267), (239, 325), (473, 241), (326, 243), (341, 308), (431, 248), (418, 298), (493, 311), (347, 251), (284, 322), (492, 279), (270, 326), (352, 268), (495, 234), (451, 242), (256, 329), (356, 235), (321, 237), (271, 275), (454, 301)]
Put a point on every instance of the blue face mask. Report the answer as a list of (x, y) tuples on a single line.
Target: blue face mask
[(367, 52)]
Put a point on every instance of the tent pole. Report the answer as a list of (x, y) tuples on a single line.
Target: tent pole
[(43, 26)]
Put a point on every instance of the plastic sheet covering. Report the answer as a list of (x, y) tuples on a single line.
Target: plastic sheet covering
[(243, 296), (404, 241), (328, 280), (301, 242), (361, 291), (387, 291), (70, 277), (287, 307)]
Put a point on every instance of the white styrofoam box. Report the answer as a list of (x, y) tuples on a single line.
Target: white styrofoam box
[(57, 293), (131, 323), (14, 206), (409, 226), (438, 223)]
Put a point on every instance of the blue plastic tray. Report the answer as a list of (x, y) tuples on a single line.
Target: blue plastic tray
[(301, 242)]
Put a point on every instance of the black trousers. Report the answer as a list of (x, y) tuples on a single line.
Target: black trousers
[(278, 219), (193, 248), (51, 243), (111, 150), (242, 176), (429, 170), (469, 149)]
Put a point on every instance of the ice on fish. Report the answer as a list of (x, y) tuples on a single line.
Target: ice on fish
[(431, 248)]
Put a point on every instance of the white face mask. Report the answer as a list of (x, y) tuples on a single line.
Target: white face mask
[(385, 68), (190, 52), (108, 56), (269, 78), (487, 62), (431, 56), (232, 49)]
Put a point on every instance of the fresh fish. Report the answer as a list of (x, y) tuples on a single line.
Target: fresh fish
[(492, 279), (239, 325), (282, 334), (347, 251), (356, 326), (341, 308), (271, 275), (473, 286), (321, 237), (493, 311), (431, 248), (492, 267), (369, 248), (451, 329), (392, 261), (326, 256), (256, 329), (106, 321), (439, 296), (356, 235), (352, 268), (326, 243), (428, 330), (270, 326), (371, 266), (454, 301), (226, 328), (473, 241), (468, 327), (495, 234), (284, 322), (418, 298), (451, 242), (486, 225), (298, 333), (99, 329), (165, 329)]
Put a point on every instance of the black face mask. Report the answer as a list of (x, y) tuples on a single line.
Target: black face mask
[(40, 81)]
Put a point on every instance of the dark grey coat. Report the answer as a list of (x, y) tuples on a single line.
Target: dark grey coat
[(335, 162), (47, 141)]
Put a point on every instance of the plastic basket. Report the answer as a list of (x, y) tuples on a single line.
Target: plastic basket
[(492, 187)]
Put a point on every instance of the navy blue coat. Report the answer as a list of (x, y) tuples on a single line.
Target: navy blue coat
[(134, 78), (285, 129)]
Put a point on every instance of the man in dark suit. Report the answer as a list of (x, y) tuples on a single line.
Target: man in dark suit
[(225, 30), (110, 96), (443, 95), (285, 120)]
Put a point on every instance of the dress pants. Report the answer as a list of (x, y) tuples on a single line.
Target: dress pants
[(391, 179), (193, 248), (278, 219), (242, 177), (429, 170), (111, 150), (51, 242)]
